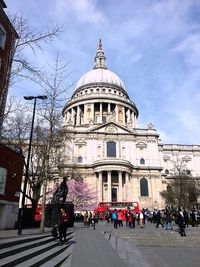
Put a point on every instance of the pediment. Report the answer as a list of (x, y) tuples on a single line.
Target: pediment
[(80, 142), (186, 158), (141, 145), (166, 158), (111, 128)]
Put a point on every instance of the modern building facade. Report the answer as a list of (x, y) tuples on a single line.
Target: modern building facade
[(123, 162)]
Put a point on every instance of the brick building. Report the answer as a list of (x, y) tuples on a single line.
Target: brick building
[(8, 36), (11, 158), (11, 170)]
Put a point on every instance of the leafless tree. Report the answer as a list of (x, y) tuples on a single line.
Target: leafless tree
[(30, 40), (55, 87), (183, 189), (47, 136)]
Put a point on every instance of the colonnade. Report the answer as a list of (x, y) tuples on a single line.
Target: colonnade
[(100, 113), (106, 180)]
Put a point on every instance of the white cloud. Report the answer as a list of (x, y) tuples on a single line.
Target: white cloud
[(190, 49), (83, 10)]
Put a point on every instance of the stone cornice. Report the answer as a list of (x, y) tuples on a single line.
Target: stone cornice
[(149, 168), (179, 148), (113, 162), (100, 85), (130, 134), (96, 98)]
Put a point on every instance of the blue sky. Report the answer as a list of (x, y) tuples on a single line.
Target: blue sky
[(152, 45)]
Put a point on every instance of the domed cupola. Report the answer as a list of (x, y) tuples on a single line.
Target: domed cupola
[(100, 74), (99, 97)]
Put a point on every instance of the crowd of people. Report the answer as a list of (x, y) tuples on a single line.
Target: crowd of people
[(164, 219)]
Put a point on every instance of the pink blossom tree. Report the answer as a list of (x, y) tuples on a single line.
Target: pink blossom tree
[(80, 194)]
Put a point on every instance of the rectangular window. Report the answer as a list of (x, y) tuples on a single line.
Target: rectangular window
[(104, 119), (2, 37), (3, 176), (111, 149), (98, 119)]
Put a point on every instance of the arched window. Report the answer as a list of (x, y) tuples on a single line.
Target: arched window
[(169, 189), (188, 172), (142, 161), (80, 159), (123, 152), (144, 187), (166, 171), (3, 176), (99, 151)]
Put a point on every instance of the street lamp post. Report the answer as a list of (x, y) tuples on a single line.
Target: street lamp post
[(21, 210)]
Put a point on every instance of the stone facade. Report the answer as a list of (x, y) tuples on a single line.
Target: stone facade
[(123, 162)]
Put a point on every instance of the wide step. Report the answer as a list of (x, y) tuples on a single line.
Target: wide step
[(36, 252)]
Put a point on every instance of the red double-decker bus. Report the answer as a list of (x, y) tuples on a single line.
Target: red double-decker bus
[(103, 207)]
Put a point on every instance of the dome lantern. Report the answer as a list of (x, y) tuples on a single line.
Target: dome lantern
[(100, 59)]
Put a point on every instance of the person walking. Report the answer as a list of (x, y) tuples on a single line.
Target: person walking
[(168, 215), (90, 218), (158, 219), (64, 218), (130, 219), (86, 219), (108, 216), (186, 218), (181, 223), (133, 219), (120, 218), (193, 219), (141, 218), (126, 215), (115, 218)]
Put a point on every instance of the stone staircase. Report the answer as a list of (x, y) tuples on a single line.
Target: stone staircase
[(152, 237), (36, 250)]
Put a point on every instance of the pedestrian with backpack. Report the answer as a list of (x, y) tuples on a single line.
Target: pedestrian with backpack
[(114, 218)]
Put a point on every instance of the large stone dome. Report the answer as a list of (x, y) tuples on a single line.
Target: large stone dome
[(100, 75), (99, 97)]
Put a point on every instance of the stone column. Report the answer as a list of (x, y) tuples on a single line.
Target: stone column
[(133, 119), (100, 187), (129, 115), (109, 186), (85, 114), (72, 118), (78, 116), (109, 108), (68, 117), (127, 186), (101, 113), (120, 185), (92, 110), (123, 110), (116, 113), (108, 113)]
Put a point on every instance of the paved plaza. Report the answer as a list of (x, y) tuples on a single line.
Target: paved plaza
[(104, 246)]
